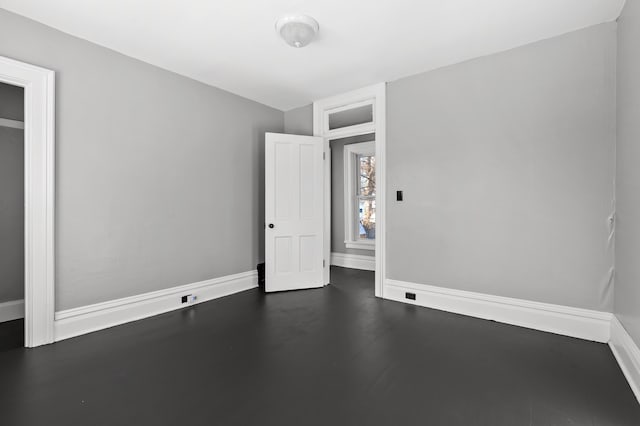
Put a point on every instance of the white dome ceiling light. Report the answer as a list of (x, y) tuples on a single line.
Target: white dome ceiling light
[(297, 30)]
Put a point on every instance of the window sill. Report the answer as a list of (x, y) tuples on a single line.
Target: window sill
[(360, 245)]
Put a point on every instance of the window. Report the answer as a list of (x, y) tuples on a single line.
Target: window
[(350, 117), (360, 195)]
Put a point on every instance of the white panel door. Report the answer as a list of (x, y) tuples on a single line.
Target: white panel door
[(294, 209)]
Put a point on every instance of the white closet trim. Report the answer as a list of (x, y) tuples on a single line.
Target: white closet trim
[(39, 169)]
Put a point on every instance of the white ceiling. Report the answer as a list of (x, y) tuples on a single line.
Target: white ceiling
[(232, 44)]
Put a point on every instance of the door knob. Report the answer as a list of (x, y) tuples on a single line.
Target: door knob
[(271, 225)]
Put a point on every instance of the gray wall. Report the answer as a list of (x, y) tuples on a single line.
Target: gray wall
[(159, 178), (337, 194), (507, 163), (299, 121), (11, 102), (11, 196), (627, 287)]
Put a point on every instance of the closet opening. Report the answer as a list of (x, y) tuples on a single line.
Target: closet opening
[(12, 217)]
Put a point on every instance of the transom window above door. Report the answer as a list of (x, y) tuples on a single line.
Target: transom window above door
[(350, 119), (360, 195)]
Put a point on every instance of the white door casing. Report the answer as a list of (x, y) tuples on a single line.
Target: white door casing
[(372, 95), (39, 144), (294, 212)]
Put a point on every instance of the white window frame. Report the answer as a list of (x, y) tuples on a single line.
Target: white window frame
[(351, 216)]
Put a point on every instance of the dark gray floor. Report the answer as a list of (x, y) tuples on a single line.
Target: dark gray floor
[(333, 356)]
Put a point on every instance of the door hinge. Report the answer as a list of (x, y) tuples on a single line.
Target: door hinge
[(324, 155), (324, 263)]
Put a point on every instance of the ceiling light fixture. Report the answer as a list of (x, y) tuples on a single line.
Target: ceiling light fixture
[(297, 30)]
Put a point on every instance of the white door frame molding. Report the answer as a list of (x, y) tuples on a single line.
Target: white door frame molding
[(376, 96), (39, 149)]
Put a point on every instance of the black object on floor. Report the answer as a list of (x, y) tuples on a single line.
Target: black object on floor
[(261, 276), (331, 356), (11, 336)]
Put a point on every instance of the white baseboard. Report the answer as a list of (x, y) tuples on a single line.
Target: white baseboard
[(627, 354), (354, 261), (575, 322), (86, 319), (11, 310)]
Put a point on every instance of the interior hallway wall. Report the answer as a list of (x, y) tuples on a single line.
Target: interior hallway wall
[(11, 195), (337, 195), (159, 178), (627, 286), (507, 167)]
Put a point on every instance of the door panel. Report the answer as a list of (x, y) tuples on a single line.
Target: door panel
[(294, 208)]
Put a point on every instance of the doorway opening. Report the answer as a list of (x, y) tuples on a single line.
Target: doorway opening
[(12, 211), (353, 126), (334, 177), (353, 201), (38, 93)]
